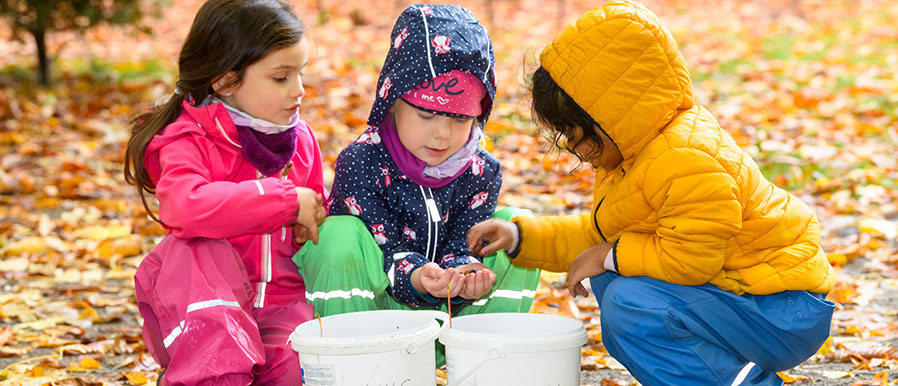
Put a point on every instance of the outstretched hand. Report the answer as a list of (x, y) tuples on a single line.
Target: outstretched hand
[(432, 279), (588, 264), (492, 235), (478, 280)]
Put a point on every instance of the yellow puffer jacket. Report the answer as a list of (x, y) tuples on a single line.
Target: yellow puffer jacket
[(687, 205)]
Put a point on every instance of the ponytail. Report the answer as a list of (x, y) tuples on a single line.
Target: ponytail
[(227, 36), (144, 128)]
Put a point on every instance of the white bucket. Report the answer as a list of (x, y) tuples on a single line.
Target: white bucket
[(391, 347), (513, 349)]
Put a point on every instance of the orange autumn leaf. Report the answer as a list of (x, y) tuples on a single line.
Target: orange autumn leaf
[(788, 378), (90, 363)]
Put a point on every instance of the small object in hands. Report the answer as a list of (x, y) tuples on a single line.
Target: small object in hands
[(471, 271), (449, 304), (320, 325)]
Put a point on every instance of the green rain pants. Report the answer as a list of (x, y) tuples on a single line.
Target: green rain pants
[(344, 272)]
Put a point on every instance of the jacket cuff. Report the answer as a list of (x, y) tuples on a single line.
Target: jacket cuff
[(611, 258), (291, 200), (427, 298), (517, 247)]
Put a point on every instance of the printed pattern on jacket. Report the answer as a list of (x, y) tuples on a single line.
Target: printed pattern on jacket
[(410, 230), (413, 224)]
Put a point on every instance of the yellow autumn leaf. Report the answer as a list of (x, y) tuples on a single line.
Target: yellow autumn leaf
[(136, 378), (99, 232), (878, 226), (487, 143), (129, 245), (826, 347), (837, 258), (27, 245), (90, 363), (38, 325)]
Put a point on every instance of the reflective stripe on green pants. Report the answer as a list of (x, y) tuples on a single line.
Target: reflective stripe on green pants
[(344, 272)]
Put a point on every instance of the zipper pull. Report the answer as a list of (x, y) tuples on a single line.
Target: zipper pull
[(432, 208), (286, 170)]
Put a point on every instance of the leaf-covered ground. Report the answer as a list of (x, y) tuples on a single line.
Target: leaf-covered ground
[(809, 88)]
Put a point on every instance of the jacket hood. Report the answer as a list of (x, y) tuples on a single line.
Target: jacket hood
[(622, 67), (431, 40)]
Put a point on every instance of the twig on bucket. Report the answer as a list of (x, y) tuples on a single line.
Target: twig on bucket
[(449, 304), (320, 325)]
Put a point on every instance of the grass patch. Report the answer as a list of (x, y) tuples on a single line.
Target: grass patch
[(778, 47), (119, 72)]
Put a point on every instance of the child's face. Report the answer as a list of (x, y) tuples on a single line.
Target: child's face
[(272, 87), (430, 137), (609, 158)]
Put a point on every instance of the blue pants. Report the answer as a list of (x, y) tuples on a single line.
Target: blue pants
[(669, 334)]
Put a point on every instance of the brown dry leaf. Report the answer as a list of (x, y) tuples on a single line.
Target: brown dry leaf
[(845, 355)]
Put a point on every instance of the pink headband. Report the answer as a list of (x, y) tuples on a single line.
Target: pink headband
[(455, 92)]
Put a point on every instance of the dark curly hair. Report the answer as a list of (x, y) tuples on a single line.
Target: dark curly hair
[(559, 116)]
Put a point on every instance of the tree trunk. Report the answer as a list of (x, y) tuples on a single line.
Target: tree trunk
[(43, 62)]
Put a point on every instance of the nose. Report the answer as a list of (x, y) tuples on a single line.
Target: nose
[(441, 132), (298, 90)]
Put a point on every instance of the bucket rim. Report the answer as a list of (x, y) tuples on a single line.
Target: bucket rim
[(367, 344), (575, 336)]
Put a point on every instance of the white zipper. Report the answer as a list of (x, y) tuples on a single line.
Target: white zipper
[(265, 276), (429, 220), (436, 223), (284, 228), (217, 123), (433, 217)]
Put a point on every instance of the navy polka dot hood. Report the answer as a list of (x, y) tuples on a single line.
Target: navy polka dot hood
[(415, 224), (431, 40)]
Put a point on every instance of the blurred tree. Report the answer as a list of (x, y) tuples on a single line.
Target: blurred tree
[(39, 17)]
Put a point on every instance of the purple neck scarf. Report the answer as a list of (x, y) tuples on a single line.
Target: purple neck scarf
[(268, 153), (413, 168)]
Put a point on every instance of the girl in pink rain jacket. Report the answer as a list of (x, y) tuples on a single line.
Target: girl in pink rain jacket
[(238, 177)]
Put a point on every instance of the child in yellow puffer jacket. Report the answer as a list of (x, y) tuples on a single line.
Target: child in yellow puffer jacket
[(704, 271)]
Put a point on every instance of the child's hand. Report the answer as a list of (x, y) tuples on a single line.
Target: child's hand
[(301, 234), (311, 213), (590, 263), (499, 234), (432, 279), (478, 280)]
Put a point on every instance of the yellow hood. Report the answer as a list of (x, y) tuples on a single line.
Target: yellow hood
[(623, 67)]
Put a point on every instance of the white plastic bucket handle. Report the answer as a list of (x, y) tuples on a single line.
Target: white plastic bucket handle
[(412, 347), (492, 353)]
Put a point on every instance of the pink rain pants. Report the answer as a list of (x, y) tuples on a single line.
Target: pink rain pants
[(199, 321)]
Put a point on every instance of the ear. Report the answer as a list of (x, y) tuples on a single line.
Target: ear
[(225, 83)]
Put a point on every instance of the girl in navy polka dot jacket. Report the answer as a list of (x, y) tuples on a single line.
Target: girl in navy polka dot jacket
[(418, 179)]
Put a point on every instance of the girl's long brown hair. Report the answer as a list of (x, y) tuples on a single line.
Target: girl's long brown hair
[(226, 36)]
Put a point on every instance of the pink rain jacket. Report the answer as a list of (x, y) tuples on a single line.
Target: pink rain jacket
[(206, 188)]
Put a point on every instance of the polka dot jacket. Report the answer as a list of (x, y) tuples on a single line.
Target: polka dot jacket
[(414, 224)]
